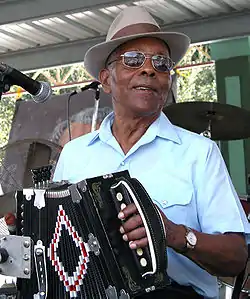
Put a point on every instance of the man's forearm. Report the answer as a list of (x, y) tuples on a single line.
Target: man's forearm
[(212, 252)]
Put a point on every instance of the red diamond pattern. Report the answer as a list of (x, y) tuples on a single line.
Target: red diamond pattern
[(71, 283)]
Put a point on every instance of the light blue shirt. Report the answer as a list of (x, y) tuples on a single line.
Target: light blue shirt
[(184, 174)]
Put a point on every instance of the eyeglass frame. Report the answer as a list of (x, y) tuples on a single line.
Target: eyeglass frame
[(146, 56)]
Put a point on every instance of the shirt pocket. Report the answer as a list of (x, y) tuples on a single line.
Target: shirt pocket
[(176, 202)]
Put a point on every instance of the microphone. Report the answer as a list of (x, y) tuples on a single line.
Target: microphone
[(41, 91), (92, 85)]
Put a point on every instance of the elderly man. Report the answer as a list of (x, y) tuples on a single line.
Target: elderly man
[(183, 172)]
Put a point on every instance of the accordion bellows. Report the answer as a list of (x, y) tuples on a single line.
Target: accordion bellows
[(78, 249)]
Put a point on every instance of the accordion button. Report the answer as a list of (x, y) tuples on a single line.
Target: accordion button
[(123, 206), (139, 251), (143, 262), (119, 196)]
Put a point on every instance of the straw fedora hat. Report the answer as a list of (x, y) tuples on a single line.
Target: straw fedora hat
[(132, 23)]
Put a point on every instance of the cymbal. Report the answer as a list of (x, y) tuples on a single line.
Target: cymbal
[(227, 122)]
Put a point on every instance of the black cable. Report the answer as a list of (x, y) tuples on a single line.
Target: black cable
[(68, 112), (94, 85)]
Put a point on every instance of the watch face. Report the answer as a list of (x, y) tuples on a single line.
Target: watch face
[(191, 238)]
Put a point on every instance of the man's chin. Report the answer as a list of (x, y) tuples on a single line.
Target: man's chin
[(146, 111)]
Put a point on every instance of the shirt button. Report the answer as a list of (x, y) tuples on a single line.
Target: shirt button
[(123, 163), (165, 202)]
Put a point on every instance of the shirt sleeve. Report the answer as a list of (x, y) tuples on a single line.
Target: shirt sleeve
[(219, 208)]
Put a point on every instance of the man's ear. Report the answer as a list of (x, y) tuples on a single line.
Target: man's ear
[(104, 78)]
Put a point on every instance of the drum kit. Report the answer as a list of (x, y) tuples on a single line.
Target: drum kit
[(219, 122)]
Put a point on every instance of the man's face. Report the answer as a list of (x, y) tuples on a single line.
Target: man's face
[(124, 83)]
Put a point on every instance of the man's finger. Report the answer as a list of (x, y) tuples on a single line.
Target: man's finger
[(135, 234), (132, 223), (138, 243), (128, 211)]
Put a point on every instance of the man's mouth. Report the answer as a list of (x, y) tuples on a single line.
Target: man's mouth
[(144, 88)]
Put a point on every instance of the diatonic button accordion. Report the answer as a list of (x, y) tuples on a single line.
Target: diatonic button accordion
[(77, 250)]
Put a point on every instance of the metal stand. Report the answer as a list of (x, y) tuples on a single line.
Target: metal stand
[(208, 132), (96, 107)]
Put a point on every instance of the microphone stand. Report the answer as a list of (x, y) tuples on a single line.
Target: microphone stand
[(96, 107), (95, 86)]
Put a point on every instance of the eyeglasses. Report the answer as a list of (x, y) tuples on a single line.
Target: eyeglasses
[(135, 59)]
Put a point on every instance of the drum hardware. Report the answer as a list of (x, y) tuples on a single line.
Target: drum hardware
[(208, 132), (221, 121)]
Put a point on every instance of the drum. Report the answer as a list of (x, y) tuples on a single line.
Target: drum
[(230, 281)]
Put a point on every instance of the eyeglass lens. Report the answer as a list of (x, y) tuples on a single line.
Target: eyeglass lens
[(136, 59)]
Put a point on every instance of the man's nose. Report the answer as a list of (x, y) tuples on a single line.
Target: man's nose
[(148, 69)]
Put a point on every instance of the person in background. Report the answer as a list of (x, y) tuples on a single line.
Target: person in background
[(80, 124)]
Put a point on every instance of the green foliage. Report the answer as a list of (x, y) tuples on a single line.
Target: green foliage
[(197, 83), (7, 108)]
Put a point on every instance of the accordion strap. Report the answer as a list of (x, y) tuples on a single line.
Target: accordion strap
[(155, 223), (151, 219)]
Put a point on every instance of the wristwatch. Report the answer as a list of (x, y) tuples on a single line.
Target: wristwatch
[(190, 238)]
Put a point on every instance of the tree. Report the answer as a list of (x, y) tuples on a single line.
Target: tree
[(196, 83)]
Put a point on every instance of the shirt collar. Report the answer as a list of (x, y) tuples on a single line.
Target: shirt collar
[(104, 133), (167, 130), (162, 127)]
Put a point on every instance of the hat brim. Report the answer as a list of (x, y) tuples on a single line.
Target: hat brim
[(96, 56)]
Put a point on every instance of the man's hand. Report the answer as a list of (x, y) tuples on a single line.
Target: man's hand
[(220, 254), (132, 229), (134, 232)]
